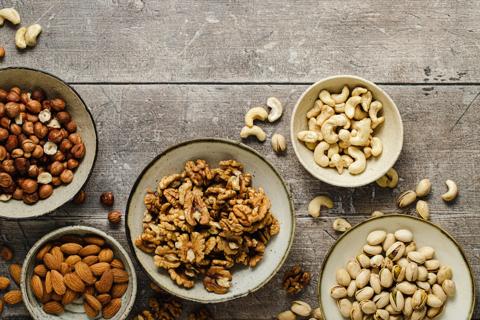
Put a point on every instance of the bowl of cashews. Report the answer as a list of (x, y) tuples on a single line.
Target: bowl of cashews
[(346, 131)]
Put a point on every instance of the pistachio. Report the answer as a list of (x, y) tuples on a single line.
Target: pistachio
[(428, 252), (423, 285), (432, 264), (403, 235), (398, 273), (396, 251), (356, 312), (434, 301), (351, 289), (389, 240), (406, 288), (419, 299), (423, 188), (363, 278), (376, 261), (301, 308), (434, 312), (392, 311), (416, 256), (422, 274), (437, 290), (432, 278), (317, 314), (375, 283), (448, 287), (286, 315), (403, 262), (412, 246), (376, 214), (406, 198), (338, 292), (422, 209), (408, 307), (387, 263), (363, 260), (381, 314), (343, 278), (386, 278), (345, 307), (396, 300), (382, 299), (376, 237), (353, 268), (444, 273), (368, 307), (364, 294), (411, 272), (341, 225), (419, 314), (372, 250)]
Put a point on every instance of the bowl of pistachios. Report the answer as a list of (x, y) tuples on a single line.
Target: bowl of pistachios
[(396, 266)]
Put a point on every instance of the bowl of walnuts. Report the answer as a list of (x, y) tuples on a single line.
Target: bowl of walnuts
[(210, 220), (48, 143)]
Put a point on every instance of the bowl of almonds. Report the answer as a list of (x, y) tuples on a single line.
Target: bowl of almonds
[(346, 131), (396, 267), (48, 143), (78, 272)]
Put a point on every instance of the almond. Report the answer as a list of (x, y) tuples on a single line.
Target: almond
[(105, 255), (4, 283), (65, 268), (72, 260), (83, 271), (68, 297), (74, 282), (13, 297), (48, 282), (72, 238), (46, 296), (93, 302), (94, 240), (6, 253), (37, 286), (15, 272), (89, 311), (51, 262), (90, 290), (57, 253), (119, 289), (40, 270), (53, 307), (71, 248), (90, 260), (1, 306), (56, 297), (41, 253), (105, 283), (91, 249), (58, 282), (104, 298), (99, 268), (119, 275), (111, 309), (116, 263)]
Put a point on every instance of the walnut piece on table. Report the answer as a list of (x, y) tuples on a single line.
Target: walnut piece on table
[(295, 279)]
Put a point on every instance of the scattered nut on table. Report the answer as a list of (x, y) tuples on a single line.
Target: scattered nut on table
[(9, 14), (423, 188), (389, 180), (392, 279), (452, 192), (276, 109), (341, 129), (341, 225), (279, 144), (256, 113), (317, 203), (422, 209), (406, 198), (253, 131), (296, 279)]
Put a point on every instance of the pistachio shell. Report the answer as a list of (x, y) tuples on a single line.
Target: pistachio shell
[(437, 290), (301, 308), (419, 299), (411, 272), (386, 278), (376, 261), (363, 278), (404, 235), (376, 237), (382, 299), (375, 283), (372, 250), (368, 307), (417, 257), (356, 312), (445, 272), (381, 314), (422, 273), (423, 188), (434, 301), (432, 278), (423, 285), (434, 312), (406, 198), (345, 306), (389, 240), (448, 287), (343, 278), (398, 273), (363, 260), (406, 288), (419, 314), (364, 294), (408, 307), (353, 268), (432, 264), (351, 289), (338, 292), (428, 252), (396, 300), (396, 251)]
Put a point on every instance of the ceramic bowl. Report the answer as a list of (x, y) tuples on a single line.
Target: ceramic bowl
[(75, 311), (54, 87), (447, 251), (390, 132), (245, 280)]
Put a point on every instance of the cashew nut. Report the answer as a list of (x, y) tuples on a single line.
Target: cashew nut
[(311, 145), (338, 162), (340, 108), (20, 41), (279, 144), (329, 126), (317, 203), (377, 146), (9, 14), (359, 113), (326, 113), (368, 152), (358, 166), (256, 113), (326, 98), (347, 160), (341, 225), (32, 33), (253, 131), (452, 192), (366, 100), (350, 105), (276, 109), (332, 150), (364, 130), (341, 97), (344, 135), (313, 126), (375, 107), (389, 180), (316, 109), (319, 154), (358, 91), (308, 136)]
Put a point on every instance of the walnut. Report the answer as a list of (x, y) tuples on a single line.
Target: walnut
[(217, 280), (199, 172), (181, 278), (169, 181), (191, 248), (166, 257), (296, 279)]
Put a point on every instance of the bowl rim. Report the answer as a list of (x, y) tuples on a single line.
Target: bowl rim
[(389, 216), (235, 144), (94, 129), (336, 183), (51, 235)]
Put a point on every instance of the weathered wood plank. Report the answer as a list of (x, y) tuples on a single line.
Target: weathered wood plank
[(260, 41), (137, 122)]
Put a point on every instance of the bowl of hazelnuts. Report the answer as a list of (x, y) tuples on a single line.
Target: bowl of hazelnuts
[(48, 143)]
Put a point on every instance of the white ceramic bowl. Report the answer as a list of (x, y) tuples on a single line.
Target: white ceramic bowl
[(390, 132), (245, 280), (54, 87), (447, 251), (76, 310)]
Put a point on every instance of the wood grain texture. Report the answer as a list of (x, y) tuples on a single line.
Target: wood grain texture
[(135, 123), (253, 41)]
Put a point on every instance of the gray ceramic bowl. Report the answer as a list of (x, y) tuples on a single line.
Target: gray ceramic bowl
[(54, 87), (245, 280), (76, 310), (390, 132)]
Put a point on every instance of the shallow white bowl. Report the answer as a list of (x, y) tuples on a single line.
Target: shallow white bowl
[(35, 307), (245, 280), (447, 251), (390, 132)]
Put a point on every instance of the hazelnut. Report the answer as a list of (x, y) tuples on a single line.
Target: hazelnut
[(2, 52), (63, 117), (9, 190), (72, 164), (45, 115), (58, 156), (37, 152), (28, 127), (114, 217), (5, 180), (3, 134), (17, 194), (29, 185), (2, 110), (33, 106), (107, 199), (3, 94), (16, 153), (56, 168), (40, 130), (17, 90), (22, 165), (71, 126), (65, 145), (45, 191), (22, 107), (38, 94), (32, 117), (12, 109), (54, 124), (57, 104), (66, 176), (3, 153), (31, 198), (15, 129), (56, 181), (44, 178), (80, 197), (55, 136), (20, 117), (6, 253), (34, 139), (8, 166), (24, 97), (13, 96), (75, 138), (12, 142), (28, 145), (78, 151), (50, 148), (33, 171)]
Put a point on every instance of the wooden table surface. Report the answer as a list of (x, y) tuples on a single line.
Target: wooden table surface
[(155, 73)]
